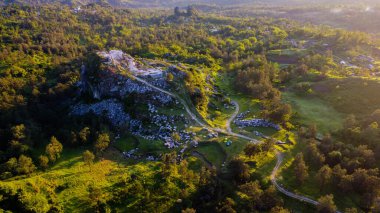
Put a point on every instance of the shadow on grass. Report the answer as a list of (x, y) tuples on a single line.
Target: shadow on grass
[(212, 152)]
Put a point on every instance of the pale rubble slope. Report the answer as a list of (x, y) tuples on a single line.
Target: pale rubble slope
[(119, 58)]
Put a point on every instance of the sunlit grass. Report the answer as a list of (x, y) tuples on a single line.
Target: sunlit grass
[(312, 110), (70, 178), (351, 96)]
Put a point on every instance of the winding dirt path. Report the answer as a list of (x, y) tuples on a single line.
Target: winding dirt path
[(228, 131), (233, 116), (280, 158), (194, 117), (191, 114)]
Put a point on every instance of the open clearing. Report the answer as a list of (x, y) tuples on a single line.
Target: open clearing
[(285, 56), (213, 152), (351, 96), (312, 110)]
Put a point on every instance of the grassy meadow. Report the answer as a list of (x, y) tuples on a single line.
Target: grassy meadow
[(313, 110)]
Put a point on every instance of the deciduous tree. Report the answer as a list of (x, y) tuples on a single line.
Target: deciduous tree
[(54, 149), (326, 204), (84, 134), (43, 161), (18, 132), (227, 206), (279, 209), (88, 158), (11, 165), (102, 142), (25, 165), (252, 149), (300, 168), (251, 193), (337, 174), (324, 176), (350, 210)]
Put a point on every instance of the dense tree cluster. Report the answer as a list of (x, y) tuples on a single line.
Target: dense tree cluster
[(255, 77), (346, 161), (251, 195), (252, 149)]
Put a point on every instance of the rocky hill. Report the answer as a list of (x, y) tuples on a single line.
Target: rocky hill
[(125, 102)]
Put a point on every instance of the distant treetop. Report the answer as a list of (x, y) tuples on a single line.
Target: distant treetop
[(190, 11)]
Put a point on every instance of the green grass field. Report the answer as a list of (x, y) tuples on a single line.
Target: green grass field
[(151, 147), (351, 96), (285, 56), (213, 152), (67, 182), (72, 178), (126, 143), (218, 114), (313, 110), (216, 151), (287, 52)]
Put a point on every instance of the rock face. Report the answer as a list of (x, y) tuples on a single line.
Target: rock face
[(241, 122), (119, 58), (111, 108), (177, 72), (83, 83), (161, 126), (256, 123), (110, 84), (113, 56)]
